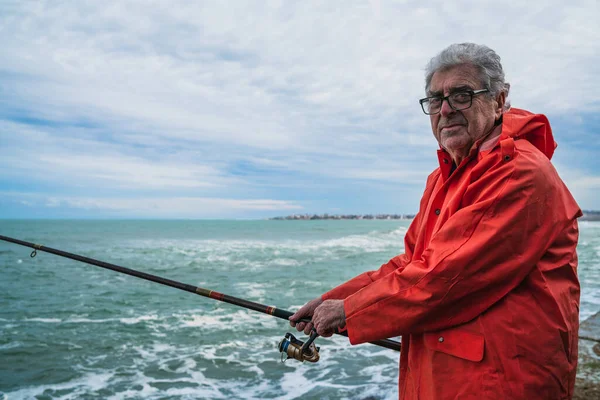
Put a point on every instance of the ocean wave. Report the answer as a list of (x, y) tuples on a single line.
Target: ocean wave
[(44, 320), (197, 384), (294, 384), (273, 253), (597, 250), (76, 388), (154, 351), (252, 290), (85, 320), (184, 377), (225, 321), (10, 345), (136, 320), (214, 321)]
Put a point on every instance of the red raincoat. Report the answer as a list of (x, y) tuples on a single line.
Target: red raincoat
[(486, 295)]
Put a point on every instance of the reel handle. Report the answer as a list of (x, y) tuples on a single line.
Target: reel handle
[(311, 339)]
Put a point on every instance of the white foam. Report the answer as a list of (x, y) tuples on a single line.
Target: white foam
[(240, 253), (253, 291), (151, 353), (255, 392), (204, 387), (90, 382), (10, 345), (294, 384), (389, 391), (74, 319), (82, 320), (188, 365), (95, 359), (136, 320), (229, 321), (208, 322), (375, 372), (285, 262), (162, 348), (218, 259), (78, 320), (44, 320), (207, 388), (254, 368)]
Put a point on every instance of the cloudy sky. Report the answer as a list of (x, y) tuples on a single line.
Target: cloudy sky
[(252, 109)]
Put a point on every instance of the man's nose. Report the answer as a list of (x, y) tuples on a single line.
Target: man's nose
[(446, 109)]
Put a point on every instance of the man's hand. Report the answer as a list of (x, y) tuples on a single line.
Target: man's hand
[(306, 311), (328, 317)]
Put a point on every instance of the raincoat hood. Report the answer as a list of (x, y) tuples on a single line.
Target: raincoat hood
[(535, 128)]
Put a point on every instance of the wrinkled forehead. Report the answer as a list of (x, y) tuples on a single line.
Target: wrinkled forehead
[(459, 77)]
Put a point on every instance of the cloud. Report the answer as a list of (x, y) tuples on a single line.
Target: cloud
[(171, 207), (130, 171), (587, 182), (222, 100)]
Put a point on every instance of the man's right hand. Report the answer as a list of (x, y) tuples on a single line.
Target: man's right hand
[(306, 311)]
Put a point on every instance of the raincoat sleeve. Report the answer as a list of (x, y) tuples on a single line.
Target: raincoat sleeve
[(397, 263), (510, 216)]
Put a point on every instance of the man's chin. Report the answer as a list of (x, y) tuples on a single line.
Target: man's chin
[(454, 145)]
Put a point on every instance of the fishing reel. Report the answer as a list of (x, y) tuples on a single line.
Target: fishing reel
[(299, 350)]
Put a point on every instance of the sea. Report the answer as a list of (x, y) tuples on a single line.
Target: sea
[(69, 330)]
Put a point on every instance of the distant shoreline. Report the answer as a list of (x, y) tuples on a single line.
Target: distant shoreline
[(590, 216), (587, 216), (313, 217)]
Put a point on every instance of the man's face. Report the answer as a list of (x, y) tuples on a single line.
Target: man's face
[(456, 131)]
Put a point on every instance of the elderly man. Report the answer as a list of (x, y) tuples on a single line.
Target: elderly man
[(486, 295)]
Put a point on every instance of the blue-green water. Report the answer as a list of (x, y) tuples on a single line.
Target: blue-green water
[(70, 330)]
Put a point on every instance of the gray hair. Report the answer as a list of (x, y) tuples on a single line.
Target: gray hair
[(481, 57)]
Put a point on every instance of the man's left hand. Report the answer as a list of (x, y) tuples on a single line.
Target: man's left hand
[(329, 316)]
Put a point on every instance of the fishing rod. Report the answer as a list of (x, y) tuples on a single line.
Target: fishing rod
[(289, 345)]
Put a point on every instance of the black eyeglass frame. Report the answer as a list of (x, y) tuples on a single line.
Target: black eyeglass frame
[(447, 98)]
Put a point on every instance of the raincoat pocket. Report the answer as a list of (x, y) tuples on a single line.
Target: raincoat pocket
[(456, 342)]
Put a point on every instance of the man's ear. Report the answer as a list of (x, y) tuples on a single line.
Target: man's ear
[(500, 101)]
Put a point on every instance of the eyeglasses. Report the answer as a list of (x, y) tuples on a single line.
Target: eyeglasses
[(457, 100)]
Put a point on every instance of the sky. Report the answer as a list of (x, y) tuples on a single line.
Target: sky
[(256, 109)]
